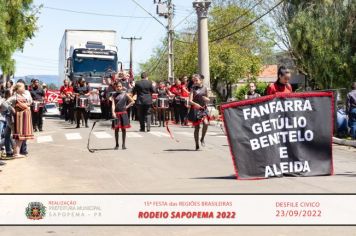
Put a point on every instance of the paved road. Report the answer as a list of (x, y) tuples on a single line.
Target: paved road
[(59, 162)]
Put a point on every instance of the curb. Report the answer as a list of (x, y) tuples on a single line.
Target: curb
[(350, 143)]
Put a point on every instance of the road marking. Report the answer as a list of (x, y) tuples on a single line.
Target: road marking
[(212, 133), (102, 135), (159, 134), (44, 139), (133, 135), (73, 136), (185, 134)]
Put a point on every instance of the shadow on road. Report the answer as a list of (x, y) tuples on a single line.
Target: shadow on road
[(347, 174), (180, 150), (230, 177), (102, 149)]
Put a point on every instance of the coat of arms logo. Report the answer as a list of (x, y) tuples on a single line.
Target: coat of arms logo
[(35, 211)]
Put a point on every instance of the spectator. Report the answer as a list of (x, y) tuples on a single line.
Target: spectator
[(351, 109), (252, 92), (22, 125)]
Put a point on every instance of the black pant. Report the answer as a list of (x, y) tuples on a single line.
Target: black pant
[(80, 112), (144, 114), (68, 111), (37, 120), (177, 108), (162, 116), (183, 113)]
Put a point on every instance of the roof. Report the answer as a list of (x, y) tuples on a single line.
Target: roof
[(268, 73)]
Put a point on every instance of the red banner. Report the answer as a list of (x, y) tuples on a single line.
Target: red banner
[(53, 96)]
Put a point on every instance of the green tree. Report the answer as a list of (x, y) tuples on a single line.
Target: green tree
[(17, 24), (233, 58), (239, 56), (320, 36)]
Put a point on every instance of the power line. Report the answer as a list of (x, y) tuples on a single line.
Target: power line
[(149, 13), (93, 13), (183, 20), (238, 18), (249, 24), (153, 69)]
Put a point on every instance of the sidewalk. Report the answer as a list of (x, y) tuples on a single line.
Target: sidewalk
[(351, 143)]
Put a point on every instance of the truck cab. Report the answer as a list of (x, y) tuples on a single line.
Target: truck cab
[(91, 54), (92, 63)]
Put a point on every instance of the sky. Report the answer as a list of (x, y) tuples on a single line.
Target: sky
[(40, 55)]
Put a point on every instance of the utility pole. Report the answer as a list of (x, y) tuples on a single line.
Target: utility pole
[(166, 10), (132, 39), (202, 7)]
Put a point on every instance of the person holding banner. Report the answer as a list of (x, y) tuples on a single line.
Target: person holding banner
[(351, 110), (82, 102), (38, 96), (198, 112), (121, 101), (282, 84)]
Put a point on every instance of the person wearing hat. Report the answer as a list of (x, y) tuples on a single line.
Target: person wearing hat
[(82, 92), (38, 95)]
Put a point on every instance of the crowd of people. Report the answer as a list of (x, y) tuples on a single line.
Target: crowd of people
[(184, 103), (146, 101), (21, 109)]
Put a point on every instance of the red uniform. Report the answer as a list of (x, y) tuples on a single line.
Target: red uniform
[(279, 88), (66, 89), (176, 90), (184, 91)]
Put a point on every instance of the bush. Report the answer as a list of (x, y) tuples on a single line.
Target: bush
[(241, 91)]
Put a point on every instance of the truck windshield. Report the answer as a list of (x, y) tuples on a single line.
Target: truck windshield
[(93, 64)]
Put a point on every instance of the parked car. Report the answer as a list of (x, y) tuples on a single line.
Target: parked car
[(51, 109)]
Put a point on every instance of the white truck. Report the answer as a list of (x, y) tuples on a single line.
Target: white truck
[(90, 54)]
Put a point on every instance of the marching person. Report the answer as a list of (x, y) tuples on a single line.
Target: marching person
[(23, 129), (66, 91), (154, 110), (82, 101), (163, 104), (199, 112), (282, 84), (121, 101), (38, 96), (176, 90), (107, 94), (351, 110), (170, 113), (252, 92), (183, 111), (144, 89)]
